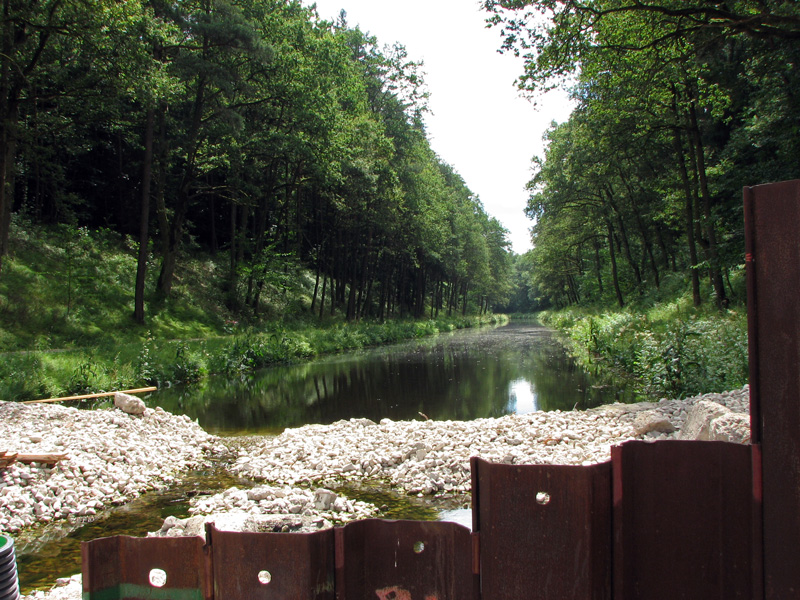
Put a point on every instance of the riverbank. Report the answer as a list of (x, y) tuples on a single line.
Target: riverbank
[(114, 456), (132, 361), (668, 349)]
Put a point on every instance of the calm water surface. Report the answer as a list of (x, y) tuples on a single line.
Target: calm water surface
[(519, 368)]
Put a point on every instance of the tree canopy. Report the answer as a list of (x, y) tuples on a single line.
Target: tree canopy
[(250, 127), (679, 104)]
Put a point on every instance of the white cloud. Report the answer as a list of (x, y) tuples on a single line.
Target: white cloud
[(480, 124)]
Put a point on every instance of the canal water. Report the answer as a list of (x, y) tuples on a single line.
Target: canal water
[(464, 375)]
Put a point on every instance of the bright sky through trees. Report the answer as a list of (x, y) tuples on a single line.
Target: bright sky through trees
[(480, 124)]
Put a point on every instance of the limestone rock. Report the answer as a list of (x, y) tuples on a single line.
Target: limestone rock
[(700, 418), (324, 499), (129, 404), (648, 421), (733, 427)]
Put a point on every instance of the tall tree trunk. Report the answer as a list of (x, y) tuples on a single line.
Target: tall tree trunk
[(688, 216), (715, 271), (613, 256), (9, 121), (643, 233), (233, 249), (316, 290), (170, 251), (366, 308), (14, 71), (144, 216), (334, 286), (667, 257), (322, 297), (598, 266), (175, 231), (7, 159), (623, 237)]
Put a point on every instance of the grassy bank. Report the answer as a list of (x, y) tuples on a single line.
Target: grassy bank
[(41, 373), (671, 350), (66, 326)]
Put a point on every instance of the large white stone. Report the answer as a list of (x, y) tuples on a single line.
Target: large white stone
[(700, 417), (324, 499), (129, 404), (648, 421)]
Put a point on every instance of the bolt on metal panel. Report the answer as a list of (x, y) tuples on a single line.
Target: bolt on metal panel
[(272, 566), (544, 530), (772, 230), (404, 560), (685, 521), (128, 568)]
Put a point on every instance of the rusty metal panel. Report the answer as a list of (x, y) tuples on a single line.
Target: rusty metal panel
[(772, 227), (544, 530), (273, 566), (128, 568), (404, 560), (685, 521)]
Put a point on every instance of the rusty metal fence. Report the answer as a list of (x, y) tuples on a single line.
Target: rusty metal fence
[(676, 519)]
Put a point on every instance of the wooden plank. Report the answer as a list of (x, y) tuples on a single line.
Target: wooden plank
[(7, 460), (49, 459), (88, 396)]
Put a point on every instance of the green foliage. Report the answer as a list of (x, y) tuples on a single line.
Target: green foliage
[(186, 366), (80, 293), (145, 367), (84, 379), (678, 106), (670, 350), (22, 377), (190, 334)]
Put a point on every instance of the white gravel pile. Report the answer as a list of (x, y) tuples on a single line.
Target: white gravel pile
[(268, 508), (66, 588), (269, 500), (113, 457), (432, 457)]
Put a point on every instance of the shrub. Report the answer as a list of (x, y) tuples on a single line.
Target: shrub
[(669, 350)]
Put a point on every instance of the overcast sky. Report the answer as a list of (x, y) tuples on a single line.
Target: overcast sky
[(480, 124)]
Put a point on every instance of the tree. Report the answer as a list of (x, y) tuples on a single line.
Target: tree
[(653, 79), (254, 128)]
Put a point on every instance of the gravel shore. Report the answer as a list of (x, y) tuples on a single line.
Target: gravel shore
[(114, 457)]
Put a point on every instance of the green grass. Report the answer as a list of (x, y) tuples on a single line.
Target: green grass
[(66, 325), (671, 349), (70, 288)]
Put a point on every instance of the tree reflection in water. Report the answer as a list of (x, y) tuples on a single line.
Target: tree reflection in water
[(461, 376)]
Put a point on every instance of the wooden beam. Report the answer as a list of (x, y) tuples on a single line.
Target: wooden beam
[(49, 459), (87, 396)]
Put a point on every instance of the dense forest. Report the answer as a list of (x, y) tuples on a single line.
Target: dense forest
[(248, 129), (679, 104)]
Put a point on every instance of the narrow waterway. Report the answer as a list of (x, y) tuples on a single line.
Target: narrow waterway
[(463, 375)]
